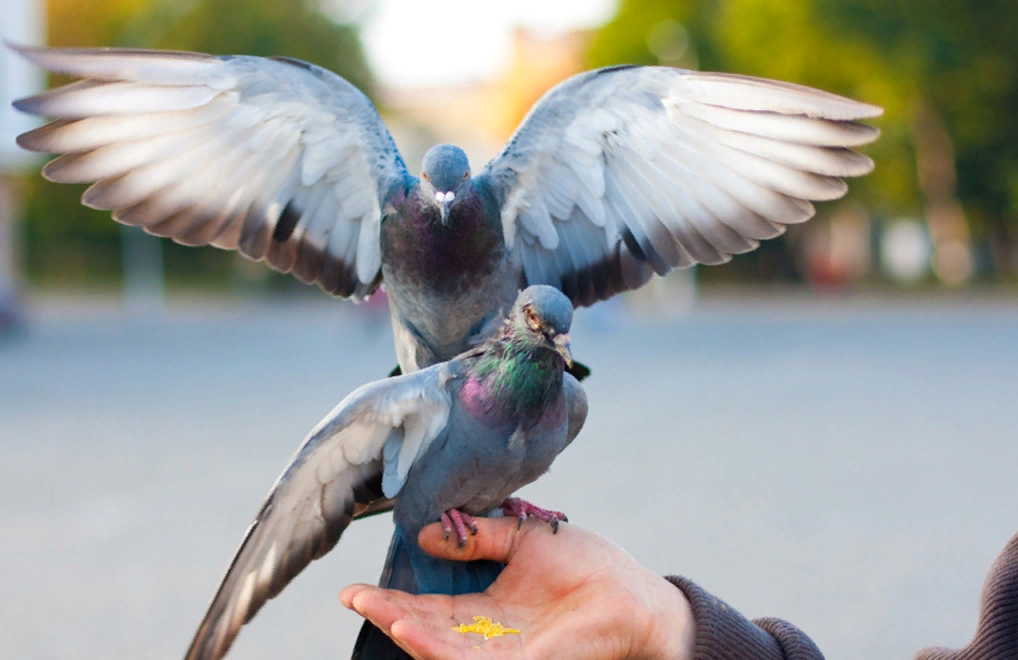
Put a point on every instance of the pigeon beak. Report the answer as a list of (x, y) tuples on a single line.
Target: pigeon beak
[(562, 348), (444, 199)]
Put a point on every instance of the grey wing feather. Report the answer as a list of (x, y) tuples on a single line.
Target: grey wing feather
[(576, 405), (618, 173), (279, 159), (320, 491)]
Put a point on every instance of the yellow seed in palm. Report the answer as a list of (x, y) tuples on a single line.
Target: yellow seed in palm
[(486, 627)]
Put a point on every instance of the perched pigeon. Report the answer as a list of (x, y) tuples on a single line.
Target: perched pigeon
[(616, 174), (448, 442)]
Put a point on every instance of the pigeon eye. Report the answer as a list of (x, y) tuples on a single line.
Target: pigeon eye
[(465, 175), (424, 175), (532, 320)]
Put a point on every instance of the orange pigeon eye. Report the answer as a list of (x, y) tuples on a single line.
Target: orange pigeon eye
[(465, 175), (424, 175), (532, 320)]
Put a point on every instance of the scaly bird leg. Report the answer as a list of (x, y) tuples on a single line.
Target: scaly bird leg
[(454, 519), (522, 509)]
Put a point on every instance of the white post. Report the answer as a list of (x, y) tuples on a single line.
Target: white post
[(22, 23)]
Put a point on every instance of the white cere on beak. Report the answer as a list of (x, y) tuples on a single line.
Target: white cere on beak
[(444, 197)]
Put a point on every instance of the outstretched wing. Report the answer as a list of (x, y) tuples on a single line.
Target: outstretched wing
[(277, 158), (374, 434), (622, 172)]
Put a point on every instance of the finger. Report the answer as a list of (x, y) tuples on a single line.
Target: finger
[(422, 643), (380, 606), (346, 595), (496, 539), (384, 606)]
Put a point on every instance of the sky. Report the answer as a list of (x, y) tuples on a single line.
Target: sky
[(426, 42)]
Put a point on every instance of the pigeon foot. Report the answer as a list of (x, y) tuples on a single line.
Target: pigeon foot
[(454, 520), (522, 509)]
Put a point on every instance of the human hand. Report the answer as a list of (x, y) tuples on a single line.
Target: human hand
[(571, 595)]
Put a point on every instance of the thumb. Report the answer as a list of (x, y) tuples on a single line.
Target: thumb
[(496, 539)]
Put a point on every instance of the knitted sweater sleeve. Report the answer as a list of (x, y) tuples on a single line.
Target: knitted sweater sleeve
[(724, 634), (997, 633)]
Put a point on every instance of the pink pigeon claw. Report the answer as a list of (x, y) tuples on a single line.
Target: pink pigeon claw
[(522, 509), (453, 518)]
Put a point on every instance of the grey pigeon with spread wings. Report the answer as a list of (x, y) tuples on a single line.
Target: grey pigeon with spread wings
[(448, 442), (616, 174)]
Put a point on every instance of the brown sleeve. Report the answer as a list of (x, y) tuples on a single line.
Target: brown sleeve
[(724, 634), (997, 634)]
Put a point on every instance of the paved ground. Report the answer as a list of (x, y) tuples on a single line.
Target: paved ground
[(850, 467)]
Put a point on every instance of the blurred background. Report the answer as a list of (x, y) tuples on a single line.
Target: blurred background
[(821, 430)]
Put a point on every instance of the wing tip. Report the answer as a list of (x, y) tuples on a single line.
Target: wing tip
[(29, 139), (23, 50), (868, 110), (873, 134), (865, 166), (30, 105), (109, 64), (50, 171)]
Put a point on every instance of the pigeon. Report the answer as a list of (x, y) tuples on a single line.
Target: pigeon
[(614, 175), (448, 442)]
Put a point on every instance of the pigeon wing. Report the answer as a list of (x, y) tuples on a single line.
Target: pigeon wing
[(576, 405), (277, 158), (618, 173), (319, 492)]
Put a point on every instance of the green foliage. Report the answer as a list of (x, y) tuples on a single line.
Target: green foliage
[(629, 38), (963, 60), (292, 28), (68, 244), (959, 59)]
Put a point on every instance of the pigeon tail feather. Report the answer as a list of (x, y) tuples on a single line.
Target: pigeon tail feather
[(397, 573), (373, 644)]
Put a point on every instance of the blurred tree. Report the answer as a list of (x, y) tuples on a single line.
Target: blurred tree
[(66, 243), (962, 60), (945, 73), (295, 28)]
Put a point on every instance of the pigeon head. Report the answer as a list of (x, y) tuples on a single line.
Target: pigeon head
[(544, 314), (446, 170)]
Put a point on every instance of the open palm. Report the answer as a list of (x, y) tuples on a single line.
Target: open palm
[(571, 595)]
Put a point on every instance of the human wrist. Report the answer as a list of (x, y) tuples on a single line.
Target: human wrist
[(671, 630)]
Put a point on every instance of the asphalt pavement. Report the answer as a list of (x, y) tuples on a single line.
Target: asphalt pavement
[(848, 465)]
